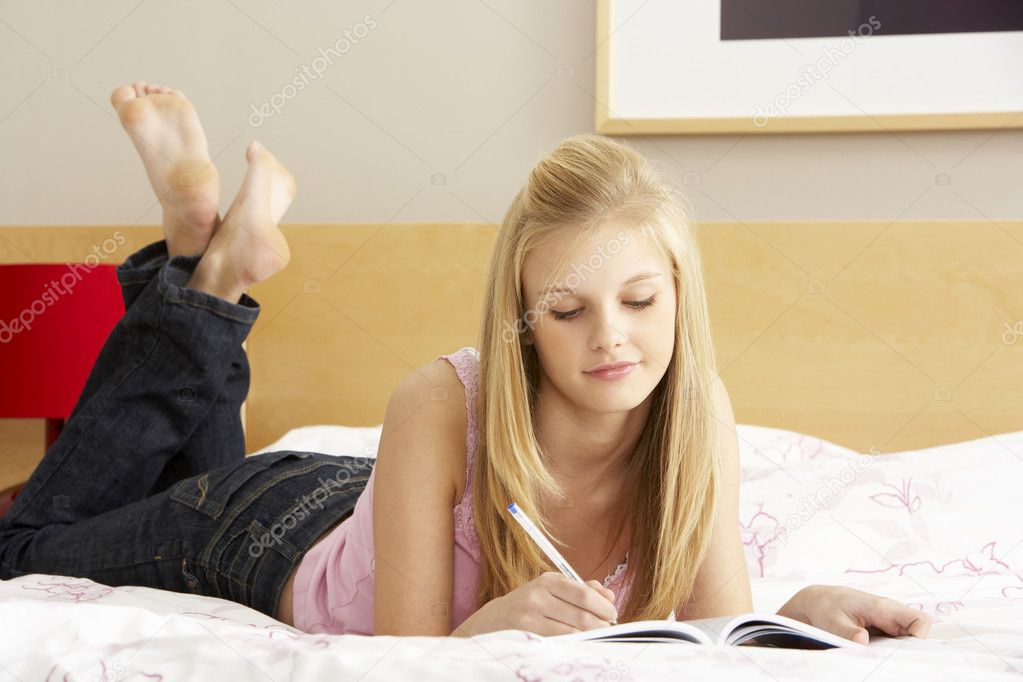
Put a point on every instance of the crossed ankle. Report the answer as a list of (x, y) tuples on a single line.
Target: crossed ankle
[(209, 277)]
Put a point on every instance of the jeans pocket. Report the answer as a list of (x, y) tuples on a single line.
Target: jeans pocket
[(209, 493)]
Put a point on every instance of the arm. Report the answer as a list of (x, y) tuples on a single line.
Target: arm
[(722, 584), (723, 588), (414, 491)]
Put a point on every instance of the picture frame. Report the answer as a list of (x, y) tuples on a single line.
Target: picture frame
[(966, 77)]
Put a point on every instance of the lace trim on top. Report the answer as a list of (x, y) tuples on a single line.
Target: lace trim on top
[(466, 364), (617, 572)]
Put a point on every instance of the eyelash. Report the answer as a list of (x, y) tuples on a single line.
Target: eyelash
[(637, 305)]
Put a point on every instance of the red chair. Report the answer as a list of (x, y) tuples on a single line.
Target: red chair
[(54, 318)]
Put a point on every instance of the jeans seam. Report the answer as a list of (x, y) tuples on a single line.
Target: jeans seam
[(238, 508), (211, 508), (242, 582), (279, 520), (194, 304), (275, 600), (170, 296)]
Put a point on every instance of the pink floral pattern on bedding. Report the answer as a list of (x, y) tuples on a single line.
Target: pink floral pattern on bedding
[(134, 633), (984, 562), (809, 507), (900, 498), (70, 589), (937, 529)]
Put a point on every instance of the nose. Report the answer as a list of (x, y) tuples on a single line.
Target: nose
[(607, 333)]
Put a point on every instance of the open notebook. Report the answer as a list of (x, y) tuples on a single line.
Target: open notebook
[(752, 629)]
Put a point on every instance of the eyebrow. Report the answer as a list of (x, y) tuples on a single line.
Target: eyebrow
[(632, 280)]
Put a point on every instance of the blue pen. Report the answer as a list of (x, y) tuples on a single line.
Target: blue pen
[(545, 545)]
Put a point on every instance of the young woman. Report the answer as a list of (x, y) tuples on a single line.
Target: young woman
[(593, 402)]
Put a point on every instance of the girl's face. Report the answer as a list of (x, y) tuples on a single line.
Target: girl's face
[(613, 302)]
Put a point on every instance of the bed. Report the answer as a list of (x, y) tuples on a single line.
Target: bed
[(874, 369), (937, 528)]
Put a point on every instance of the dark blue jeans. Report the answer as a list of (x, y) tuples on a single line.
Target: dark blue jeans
[(148, 483)]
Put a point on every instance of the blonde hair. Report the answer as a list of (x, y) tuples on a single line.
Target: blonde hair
[(671, 483)]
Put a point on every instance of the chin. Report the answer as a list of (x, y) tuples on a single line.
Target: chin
[(612, 399)]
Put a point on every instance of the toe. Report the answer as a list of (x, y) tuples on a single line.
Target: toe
[(122, 94), (140, 88), (134, 110), (254, 150)]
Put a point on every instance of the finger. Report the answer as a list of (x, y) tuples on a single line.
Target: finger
[(843, 625), (559, 610), (897, 619), (552, 626), (603, 590), (584, 597)]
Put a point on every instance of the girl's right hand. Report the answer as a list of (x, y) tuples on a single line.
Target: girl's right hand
[(550, 604)]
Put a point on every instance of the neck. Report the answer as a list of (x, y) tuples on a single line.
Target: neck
[(588, 453)]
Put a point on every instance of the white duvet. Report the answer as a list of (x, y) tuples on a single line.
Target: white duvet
[(939, 529)]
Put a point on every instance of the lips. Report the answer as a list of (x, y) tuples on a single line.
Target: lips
[(611, 366)]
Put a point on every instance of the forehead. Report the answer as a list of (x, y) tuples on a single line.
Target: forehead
[(609, 255)]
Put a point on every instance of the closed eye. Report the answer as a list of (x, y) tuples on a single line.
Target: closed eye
[(635, 305)]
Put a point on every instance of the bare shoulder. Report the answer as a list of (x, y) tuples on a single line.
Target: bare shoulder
[(417, 476), (722, 401), (429, 404), (727, 433)]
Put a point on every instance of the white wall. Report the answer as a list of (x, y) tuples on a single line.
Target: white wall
[(465, 89)]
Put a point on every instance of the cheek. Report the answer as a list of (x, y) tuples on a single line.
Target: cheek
[(557, 333), (660, 336)]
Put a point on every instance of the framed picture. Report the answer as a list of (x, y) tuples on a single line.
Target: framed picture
[(804, 66)]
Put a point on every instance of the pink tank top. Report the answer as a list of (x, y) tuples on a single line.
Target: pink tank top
[(334, 580)]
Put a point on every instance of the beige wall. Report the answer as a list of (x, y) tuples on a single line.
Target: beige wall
[(436, 113), (467, 90)]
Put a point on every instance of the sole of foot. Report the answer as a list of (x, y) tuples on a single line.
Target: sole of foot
[(164, 127)]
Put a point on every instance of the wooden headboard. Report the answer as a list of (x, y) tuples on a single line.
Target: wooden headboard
[(878, 336)]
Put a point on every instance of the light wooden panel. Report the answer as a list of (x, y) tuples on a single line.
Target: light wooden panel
[(874, 335), (23, 443), (359, 308), (869, 334)]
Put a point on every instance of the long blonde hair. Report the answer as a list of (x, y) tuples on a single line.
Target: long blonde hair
[(672, 477)]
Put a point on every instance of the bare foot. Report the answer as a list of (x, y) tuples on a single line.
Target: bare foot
[(165, 129), (248, 247)]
